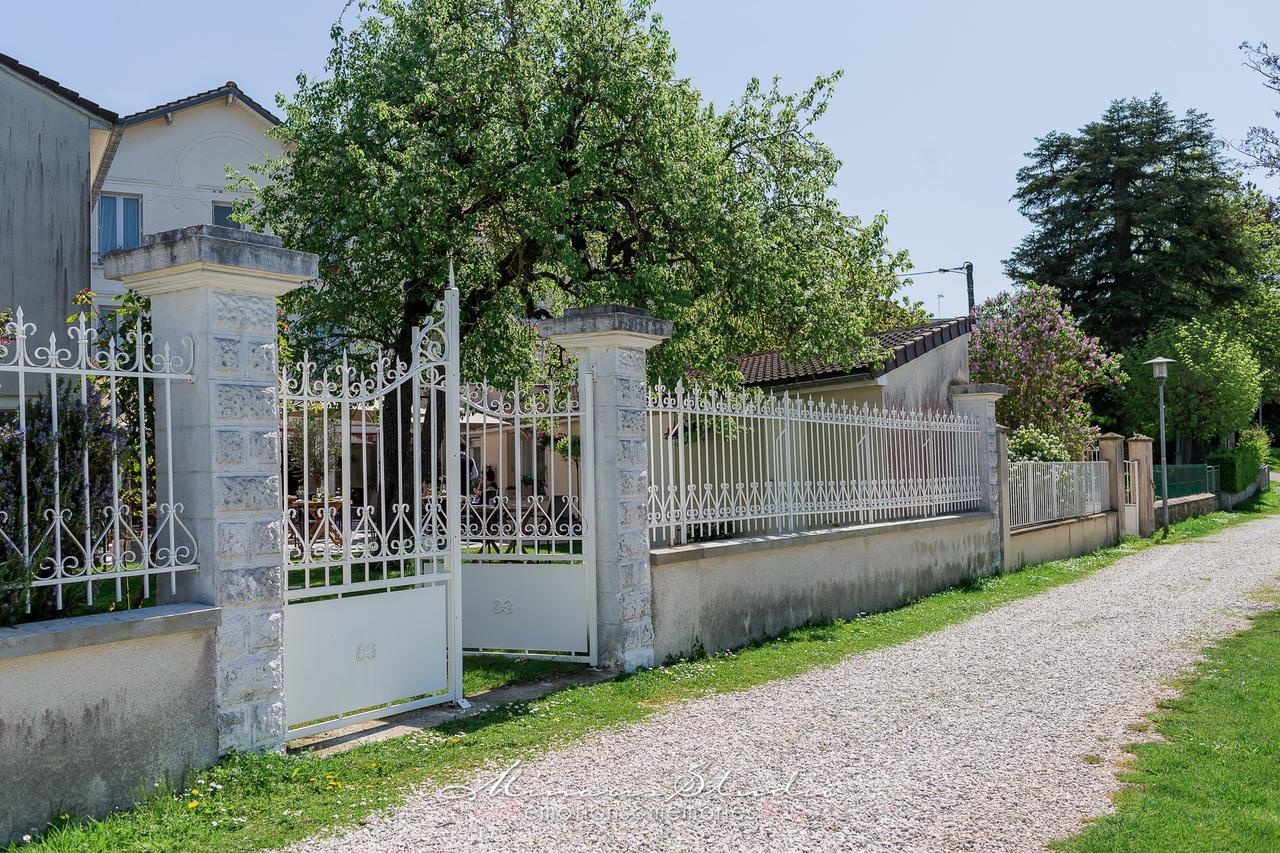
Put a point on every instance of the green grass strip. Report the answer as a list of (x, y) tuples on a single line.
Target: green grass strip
[(250, 802), (1214, 784)]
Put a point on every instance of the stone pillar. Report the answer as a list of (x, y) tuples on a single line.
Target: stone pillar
[(218, 288), (610, 343), (979, 402), (1144, 490), (1111, 451), (1002, 461)]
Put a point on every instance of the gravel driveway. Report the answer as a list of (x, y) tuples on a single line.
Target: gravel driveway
[(984, 736)]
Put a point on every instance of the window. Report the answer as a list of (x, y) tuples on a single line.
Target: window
[(119, 222), (222, 215)]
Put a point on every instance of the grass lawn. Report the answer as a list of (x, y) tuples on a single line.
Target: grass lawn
[(252, 801), (1215, 783), (485, 672), (1273, 458)]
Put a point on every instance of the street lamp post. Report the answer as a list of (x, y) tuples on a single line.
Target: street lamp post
[(1160, 371)]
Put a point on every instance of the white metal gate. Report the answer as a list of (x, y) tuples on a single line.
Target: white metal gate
[(528, 580), (372, 525)]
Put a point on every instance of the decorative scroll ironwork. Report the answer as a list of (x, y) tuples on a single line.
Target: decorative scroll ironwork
[(86, 464)]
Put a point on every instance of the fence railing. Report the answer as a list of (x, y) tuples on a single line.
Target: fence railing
[(85, 517), (1040, 492), (1186, 480), (724, 463)]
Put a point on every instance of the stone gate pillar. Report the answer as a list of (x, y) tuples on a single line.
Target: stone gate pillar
[(610, 343), (1144, 489), (218, 287), (979, 402), (1111, 451)]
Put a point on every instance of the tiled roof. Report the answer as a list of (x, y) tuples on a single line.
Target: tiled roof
[(903, 345), (58, 89), (227, 88)]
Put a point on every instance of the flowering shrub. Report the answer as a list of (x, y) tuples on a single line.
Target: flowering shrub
[(1028, 444), (81, 426), (1027, 339)]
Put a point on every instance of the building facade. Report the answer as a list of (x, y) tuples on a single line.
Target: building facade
[(170, 170), (55, 149)]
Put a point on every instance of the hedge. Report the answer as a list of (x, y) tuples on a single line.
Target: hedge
[(1237, 468)]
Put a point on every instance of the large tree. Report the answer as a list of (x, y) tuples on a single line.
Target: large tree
[(549, 147), (1134, 220), (1262, 145)]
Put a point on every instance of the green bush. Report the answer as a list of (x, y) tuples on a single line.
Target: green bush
[(1237, 468), (1257, 437), (1028, 444)]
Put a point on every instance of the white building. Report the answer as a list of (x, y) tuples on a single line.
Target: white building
[(169, 170)]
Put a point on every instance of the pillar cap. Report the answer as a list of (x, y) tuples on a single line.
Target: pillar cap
[(606, 325), (1140, 438), (228, 258), (1111, 436)]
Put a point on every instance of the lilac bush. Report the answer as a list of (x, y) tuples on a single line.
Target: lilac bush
[(1027, 339)]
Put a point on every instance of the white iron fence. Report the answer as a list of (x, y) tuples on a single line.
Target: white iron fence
[(727, 463), (1048, 491), (84, 517)]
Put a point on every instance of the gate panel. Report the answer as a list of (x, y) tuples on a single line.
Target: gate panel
[(371, 526), (528, 582), (371, 650)]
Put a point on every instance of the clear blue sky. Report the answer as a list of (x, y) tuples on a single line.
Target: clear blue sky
[(939, 102)]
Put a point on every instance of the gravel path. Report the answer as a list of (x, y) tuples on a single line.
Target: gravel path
[(984, 736)]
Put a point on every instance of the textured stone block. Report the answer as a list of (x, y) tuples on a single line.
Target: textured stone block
[(262, 359), (252, 678), (631, 363), (264, 447), (225, 356), (244, 402), (268, 724), (633, 543), (632, 422), (233, 540), (267, 630), (261, 584), (242, 312), (246, 492), (233, 730), (635, 604), (228, 447), (264, 538)]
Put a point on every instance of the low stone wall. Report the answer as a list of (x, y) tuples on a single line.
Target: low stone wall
[(720, 595), (1228, 500), (95, 709), (1188, 506), (1057, 540)]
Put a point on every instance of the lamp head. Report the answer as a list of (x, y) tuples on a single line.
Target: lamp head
[(1160, 368)]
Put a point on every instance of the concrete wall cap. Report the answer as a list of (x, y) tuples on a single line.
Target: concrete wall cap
[(606, 324), (211, 246), (981, 388), (56, 635)]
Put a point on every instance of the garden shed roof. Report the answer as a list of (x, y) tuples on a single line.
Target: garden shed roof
[(902, 345)]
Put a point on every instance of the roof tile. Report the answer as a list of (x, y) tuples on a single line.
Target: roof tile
[(903, 345)]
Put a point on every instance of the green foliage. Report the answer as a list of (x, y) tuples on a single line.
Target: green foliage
[(1237, 467), (1258, 437), (1133, 219), (1029, 341), (1255, 317), (1029, 444), (552, 150), (1212, 390)]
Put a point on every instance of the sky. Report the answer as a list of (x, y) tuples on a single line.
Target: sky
[(939, 103)]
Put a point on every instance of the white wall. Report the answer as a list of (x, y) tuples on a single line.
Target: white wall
[(179, 169)]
